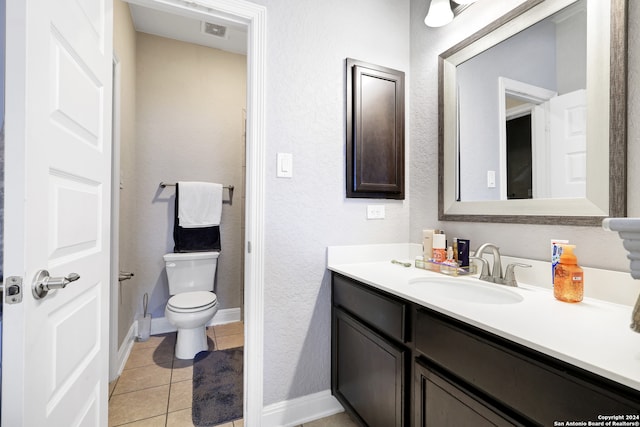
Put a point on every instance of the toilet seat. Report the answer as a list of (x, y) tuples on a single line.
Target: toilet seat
[(188, 302)]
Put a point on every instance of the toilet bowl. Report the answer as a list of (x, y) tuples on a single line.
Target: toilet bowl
[(190, 312), (193, 303)]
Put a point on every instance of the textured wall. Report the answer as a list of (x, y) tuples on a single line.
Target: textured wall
[(189, 127), (595, 247), (307, 43)]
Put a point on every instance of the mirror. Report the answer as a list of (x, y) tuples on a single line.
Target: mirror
[(532, 117)]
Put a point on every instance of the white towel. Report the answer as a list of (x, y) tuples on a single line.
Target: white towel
[(199, 204)]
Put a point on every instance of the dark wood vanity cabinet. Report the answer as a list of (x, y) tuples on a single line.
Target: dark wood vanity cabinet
[(370, 369), (395, 363), (521, 384)]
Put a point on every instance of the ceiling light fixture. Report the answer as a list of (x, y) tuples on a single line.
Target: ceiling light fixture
[(439, 13)]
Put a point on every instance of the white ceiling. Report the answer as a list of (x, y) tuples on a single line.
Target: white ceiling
[(188, 30)]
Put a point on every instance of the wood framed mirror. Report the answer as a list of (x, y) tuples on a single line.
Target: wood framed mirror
[(477, 101)]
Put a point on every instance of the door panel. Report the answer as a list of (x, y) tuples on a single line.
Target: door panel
[(58, 188), (569, 153)]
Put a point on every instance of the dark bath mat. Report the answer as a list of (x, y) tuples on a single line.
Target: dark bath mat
[(217, 387)]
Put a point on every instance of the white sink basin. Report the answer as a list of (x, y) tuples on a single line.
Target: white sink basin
[(463, 289)]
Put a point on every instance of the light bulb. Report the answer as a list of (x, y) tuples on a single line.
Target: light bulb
[(439, 13)]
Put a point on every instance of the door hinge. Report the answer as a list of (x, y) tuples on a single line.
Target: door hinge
[(12, 289), (249, 247)]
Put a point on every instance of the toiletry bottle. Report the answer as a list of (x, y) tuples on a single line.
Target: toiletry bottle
[(568, 284), (450, 254), (439, 247), (455, 250), (556, 251), (427, 244), (463, 252)]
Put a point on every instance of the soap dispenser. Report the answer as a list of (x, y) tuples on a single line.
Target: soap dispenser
[(568, 284)]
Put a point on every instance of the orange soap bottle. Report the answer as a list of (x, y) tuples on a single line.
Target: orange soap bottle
[(568, 284)]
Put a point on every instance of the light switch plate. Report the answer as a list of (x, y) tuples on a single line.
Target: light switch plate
[(491, 179), (285, 165)]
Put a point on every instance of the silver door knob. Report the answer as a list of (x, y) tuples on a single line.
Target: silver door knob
[(43, 283)]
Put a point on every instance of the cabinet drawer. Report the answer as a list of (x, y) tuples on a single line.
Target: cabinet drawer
[(538, 387), (383, 313)]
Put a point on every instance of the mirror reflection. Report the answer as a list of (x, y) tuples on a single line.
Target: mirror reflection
[(522, 113)]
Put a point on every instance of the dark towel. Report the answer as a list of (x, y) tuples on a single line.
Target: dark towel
[(194, 239)]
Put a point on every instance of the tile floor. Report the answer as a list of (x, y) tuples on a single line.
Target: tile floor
[(155, 388)]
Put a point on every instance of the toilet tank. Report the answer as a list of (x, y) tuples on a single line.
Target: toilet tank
[(192, 271)]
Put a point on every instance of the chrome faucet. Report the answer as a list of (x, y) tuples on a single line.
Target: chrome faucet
[(495, 274), (496, 270)]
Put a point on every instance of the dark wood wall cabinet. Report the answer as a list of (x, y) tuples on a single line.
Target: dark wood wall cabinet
[(375, 131), (396, 363)]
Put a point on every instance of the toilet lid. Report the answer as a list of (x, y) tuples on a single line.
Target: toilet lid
[(192, 300)]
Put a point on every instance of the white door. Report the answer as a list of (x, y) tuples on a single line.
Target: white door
[(57, 204), (568, 154)]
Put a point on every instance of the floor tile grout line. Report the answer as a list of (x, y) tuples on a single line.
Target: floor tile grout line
[(140, 389)]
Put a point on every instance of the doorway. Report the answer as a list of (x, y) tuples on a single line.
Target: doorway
[(251, 16)]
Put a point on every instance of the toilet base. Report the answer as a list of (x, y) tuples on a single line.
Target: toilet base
[(191, 342)]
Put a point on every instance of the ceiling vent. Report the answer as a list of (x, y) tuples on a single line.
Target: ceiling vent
[(214, 30)]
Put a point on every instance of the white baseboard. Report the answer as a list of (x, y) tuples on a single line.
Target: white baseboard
[(127, 345), (301, 410), (160, 325)]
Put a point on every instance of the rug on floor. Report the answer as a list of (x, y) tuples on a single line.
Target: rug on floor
[(217, 386)]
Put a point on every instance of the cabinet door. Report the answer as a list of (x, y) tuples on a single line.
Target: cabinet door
[(440, 403), (375, 131), (368, 373)]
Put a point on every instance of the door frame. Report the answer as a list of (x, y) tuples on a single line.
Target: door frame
[(535, 96), (114, 291), (254, 17)]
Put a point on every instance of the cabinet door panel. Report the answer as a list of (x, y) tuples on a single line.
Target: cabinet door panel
[(368, 373), (442, 404)]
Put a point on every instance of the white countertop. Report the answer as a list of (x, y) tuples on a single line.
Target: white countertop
[(592, 334)]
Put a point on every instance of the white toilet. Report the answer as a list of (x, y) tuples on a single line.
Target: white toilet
[(191, 283)]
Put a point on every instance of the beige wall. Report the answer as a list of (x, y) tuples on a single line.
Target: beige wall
[(189, 127), (181, 120), (124, 45)]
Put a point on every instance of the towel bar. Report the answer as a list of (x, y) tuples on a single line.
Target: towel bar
[(228, 187)]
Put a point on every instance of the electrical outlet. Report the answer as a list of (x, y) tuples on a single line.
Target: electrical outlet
[(375, 211)]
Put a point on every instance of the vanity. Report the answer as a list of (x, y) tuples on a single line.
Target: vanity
[(416, 348)]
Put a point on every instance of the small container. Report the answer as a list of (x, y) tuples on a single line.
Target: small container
[(420, 261), (568, 283), (556, 251), (144, 328), (463, 252), (439, 247), (427, 244)]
